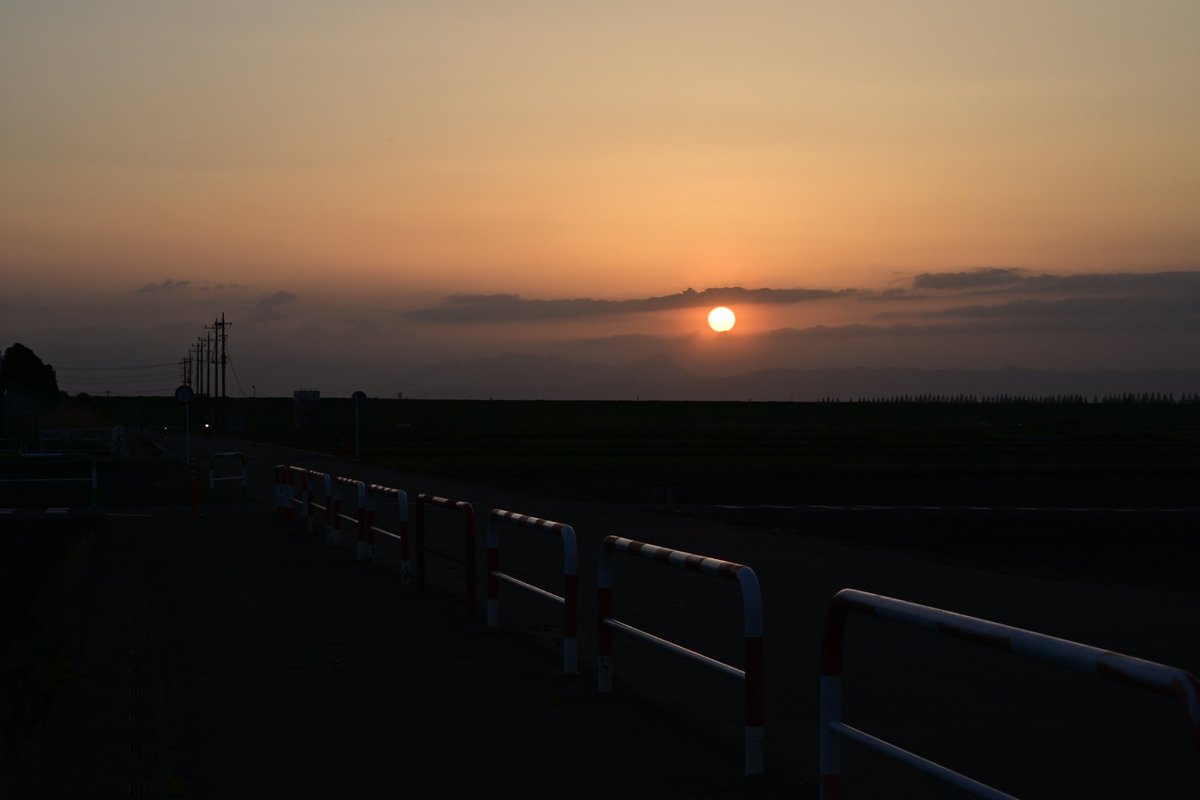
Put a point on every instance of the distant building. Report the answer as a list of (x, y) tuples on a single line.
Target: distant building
[(306, 409)]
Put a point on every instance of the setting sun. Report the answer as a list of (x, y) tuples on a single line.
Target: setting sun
[(721, 319)]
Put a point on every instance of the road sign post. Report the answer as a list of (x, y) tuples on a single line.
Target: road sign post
[(183, 394), (357, 397)]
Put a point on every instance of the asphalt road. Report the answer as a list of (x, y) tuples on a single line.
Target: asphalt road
[(233, 655)]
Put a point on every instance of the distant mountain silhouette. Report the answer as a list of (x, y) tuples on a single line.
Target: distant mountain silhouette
[(660, 377)]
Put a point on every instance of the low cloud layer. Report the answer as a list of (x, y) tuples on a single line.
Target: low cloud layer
[(1011, 280), (267, 308), (165, 285), (513, 308), (971, 279), (971, 319)]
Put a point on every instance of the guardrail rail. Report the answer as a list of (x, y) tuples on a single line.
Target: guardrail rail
[(1148, 675), (30, 458), (752, 617), (240, 477), (469, 536), (401, 500), (569, 599)]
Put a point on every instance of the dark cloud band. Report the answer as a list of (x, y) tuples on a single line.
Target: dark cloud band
[(512, 308)]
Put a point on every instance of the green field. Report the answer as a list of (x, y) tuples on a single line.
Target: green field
[(701, 452)]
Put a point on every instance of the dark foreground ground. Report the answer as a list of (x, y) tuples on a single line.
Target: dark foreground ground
[(227, 657), (232, 656)]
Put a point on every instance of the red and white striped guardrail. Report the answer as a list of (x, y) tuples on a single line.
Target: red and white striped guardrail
[(401, 499), (287, 501), (469, 535), (1148, 675), (321, 479), (213, 480), (329, 505), (281, 504), (361, 519), (752, 614), (304, 500), (570, 596)]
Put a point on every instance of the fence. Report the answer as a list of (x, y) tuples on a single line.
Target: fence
[(282, 504), (570, 596), (401, 499), (213, 480), (91, 440), (360, 519), (1137, 672), (37, 458), (751, 676), (469, 534), (304, 500)]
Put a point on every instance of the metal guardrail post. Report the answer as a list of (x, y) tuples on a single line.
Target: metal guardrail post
[(213, 480), (752, 621), (469, 542), (92, 479), (570, 595), (330, 504), (401, 497)]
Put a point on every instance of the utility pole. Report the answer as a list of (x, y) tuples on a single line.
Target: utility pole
[(200, 366), (208, 369), (220, 362)]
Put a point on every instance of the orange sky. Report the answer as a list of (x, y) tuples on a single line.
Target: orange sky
[(328, 174), (621, 150)]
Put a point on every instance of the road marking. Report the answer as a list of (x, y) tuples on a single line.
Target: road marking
[(57, 510)]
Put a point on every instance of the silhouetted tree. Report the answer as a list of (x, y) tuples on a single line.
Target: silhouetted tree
[(22, 370)]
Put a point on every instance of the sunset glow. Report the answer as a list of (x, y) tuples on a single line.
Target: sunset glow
[(914, 185)]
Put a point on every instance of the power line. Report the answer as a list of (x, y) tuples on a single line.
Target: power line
[(130, 392), (236, 379), (103, 381), (115, 369)]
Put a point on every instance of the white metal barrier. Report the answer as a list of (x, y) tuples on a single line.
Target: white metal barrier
[(1137, 672), (361, 517), (569, 599), (240, 477), (91, 440), (751, 676), (32, 458), (400, 497), (469, 536)]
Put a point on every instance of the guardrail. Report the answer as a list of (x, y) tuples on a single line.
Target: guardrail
[(401, 499), (1148, 675), (282, 505), (312, 478), (304, 500), (469, 535), (570, 596), (213, 480), (38, 457), (92, 440), (287, 501), (751, 676), (361, 519)]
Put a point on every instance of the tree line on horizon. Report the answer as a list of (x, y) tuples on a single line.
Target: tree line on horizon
[(1122, 399)]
